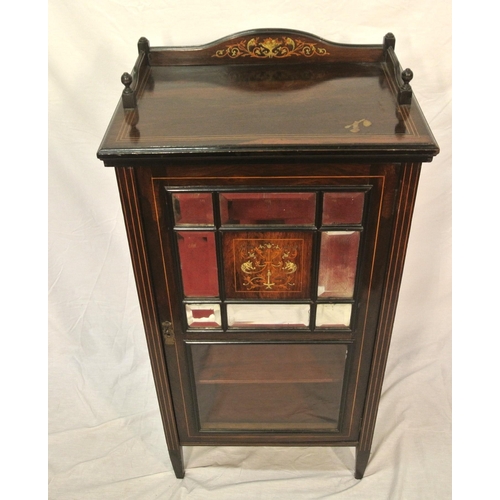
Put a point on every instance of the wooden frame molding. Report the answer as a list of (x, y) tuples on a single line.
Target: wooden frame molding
[(131, 212)]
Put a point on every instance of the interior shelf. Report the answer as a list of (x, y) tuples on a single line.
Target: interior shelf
[(269, 364)]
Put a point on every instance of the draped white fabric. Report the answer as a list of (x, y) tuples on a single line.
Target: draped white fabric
[(105, 434)]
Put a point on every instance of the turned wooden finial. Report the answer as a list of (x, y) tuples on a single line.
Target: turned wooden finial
[(389, 41), (127, 81), (143, 45), (405, 92), (407, 76), (128, 95)]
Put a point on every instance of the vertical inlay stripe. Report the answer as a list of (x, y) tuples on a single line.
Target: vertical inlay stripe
[(126, 183)]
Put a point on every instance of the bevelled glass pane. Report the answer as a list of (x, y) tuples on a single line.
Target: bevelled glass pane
[(268, 315), (203, 315), (193, 209), (296, 209), (269, 386), (337, 265), (343, 207), (198, 263), (333, 315)]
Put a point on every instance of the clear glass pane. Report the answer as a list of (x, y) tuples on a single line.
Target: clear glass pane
[(203, 315), (193, 209), (268, 315), (268, 208), (343, 207), (333, 315), (269, 386), (337, 265), (198, 263)]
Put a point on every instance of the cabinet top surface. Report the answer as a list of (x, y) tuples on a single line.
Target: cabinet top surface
[(264, 92)]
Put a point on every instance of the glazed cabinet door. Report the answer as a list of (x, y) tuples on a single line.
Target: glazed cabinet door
[(268, 290)]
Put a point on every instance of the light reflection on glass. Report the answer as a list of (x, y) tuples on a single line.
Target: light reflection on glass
[(203, 315), (338, 261), (333, 315), (268, 315)]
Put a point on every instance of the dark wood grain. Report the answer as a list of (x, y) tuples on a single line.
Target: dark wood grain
[(402, 223), (371, 263), (352, 102), (138, 251), (260, 114)]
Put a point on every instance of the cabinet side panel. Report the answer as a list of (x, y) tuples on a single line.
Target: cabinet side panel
[(131, 211), (399, 241)]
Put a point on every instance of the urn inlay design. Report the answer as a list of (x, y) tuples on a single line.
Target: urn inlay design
[(270, 265)]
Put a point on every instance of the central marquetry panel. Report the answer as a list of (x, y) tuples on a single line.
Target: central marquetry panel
[(272, 265)]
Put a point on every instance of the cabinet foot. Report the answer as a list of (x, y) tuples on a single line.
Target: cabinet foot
[(177, 462), (362, 457)]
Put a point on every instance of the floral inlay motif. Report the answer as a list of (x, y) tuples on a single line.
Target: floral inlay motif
[(269, 266), (268, 48)]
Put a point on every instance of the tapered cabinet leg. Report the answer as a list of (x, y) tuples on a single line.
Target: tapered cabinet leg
[(362, 457), (177, 462)]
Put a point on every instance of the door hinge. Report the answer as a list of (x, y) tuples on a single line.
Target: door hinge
[(168, 333)]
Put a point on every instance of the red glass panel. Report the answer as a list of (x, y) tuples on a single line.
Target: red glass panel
[(198, 263), (343, 207), (337, 266), (193, 208), (268, 208)]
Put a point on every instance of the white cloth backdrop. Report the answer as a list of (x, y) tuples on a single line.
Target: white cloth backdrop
[(105, 435)]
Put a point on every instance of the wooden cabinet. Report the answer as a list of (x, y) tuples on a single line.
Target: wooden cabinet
[(267, 182)]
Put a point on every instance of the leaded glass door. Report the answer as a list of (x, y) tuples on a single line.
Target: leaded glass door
[(269, 292)]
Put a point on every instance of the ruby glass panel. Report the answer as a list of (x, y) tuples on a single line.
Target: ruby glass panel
[(268, 208), (193, 209), (343, 207), (198, 263), (338, 261)]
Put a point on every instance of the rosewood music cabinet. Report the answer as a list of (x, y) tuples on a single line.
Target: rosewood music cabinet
[(268, 181)]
